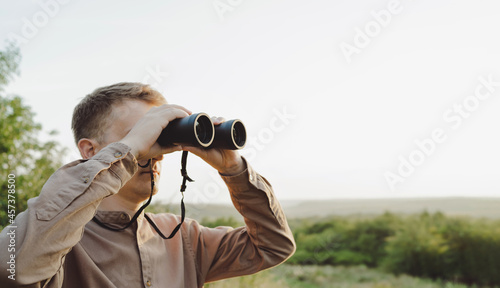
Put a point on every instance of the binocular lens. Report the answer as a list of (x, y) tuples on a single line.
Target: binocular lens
[(204, 130), (239, 134)]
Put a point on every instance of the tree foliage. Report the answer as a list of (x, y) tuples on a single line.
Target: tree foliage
[(22, 154), (9, 64)]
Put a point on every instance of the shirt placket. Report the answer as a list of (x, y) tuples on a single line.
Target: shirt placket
[(146, 262)]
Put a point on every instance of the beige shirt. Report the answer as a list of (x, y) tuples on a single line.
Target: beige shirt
[(57, 244)]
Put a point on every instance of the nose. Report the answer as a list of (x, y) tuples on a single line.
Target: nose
[(157, 162)]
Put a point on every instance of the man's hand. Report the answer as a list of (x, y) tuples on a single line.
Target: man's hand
[(227, 162), (142, 137)]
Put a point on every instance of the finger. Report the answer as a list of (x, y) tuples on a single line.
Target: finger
[(174, 113), (218, 120), (205, 154), (180, 108), (157, 151), (195, 150), (170, 149)]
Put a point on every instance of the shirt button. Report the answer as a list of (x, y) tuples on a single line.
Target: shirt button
[(148, 283), (118, 154), (85, 180)]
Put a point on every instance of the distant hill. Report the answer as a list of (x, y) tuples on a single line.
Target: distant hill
[(474, 207)]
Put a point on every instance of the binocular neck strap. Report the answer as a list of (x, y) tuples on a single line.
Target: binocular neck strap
[(185, 178)]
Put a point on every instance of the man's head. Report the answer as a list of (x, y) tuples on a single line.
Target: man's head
[(106, 116), (94, 114)]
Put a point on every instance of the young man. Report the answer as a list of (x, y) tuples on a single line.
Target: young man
[(58, 244)]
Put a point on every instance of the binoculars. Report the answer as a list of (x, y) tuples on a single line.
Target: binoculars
[(199, 130)]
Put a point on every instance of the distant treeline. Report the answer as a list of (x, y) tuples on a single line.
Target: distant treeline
[(425, 245)]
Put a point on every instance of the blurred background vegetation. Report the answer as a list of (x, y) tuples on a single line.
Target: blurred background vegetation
[(380, 251), (22, 153), (389, 250)]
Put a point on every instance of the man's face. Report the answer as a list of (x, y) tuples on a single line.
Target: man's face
[(123, 118)]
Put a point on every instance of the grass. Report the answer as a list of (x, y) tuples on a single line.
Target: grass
[(264, 279), (291, 276)]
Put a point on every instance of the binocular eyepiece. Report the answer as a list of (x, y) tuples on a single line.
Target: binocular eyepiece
[(199, 130)]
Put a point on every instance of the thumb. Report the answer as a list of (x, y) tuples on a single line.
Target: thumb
[(195, 150), (158, 150)]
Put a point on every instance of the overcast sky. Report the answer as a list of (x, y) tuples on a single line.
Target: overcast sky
[(349, 99)]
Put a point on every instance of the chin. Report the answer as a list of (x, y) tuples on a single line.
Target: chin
[(146, 189)]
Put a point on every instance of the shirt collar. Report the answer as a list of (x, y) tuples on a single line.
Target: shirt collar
[(116, 218)]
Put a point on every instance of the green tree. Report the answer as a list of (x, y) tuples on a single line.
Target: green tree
[(23, 156), (9, 64)]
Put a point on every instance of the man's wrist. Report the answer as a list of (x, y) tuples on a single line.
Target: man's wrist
[(133, 150), (235, 169)]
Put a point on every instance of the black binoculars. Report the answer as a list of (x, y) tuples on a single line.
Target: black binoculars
[(199, 130)]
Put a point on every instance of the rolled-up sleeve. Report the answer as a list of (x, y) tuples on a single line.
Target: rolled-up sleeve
[(55, 220), (265, 241)]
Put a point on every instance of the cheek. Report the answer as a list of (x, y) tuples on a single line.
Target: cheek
[(140, 179)]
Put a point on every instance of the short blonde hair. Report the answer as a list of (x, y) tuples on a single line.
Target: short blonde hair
[(91, 114)]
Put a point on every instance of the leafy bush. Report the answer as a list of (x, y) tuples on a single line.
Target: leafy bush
[(224, 221), (425, 245), (417, 248), (342, 241), (434, 246)]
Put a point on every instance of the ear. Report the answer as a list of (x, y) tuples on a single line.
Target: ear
[(88, 147)]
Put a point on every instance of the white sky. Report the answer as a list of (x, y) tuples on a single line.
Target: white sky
[(352, 121)]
